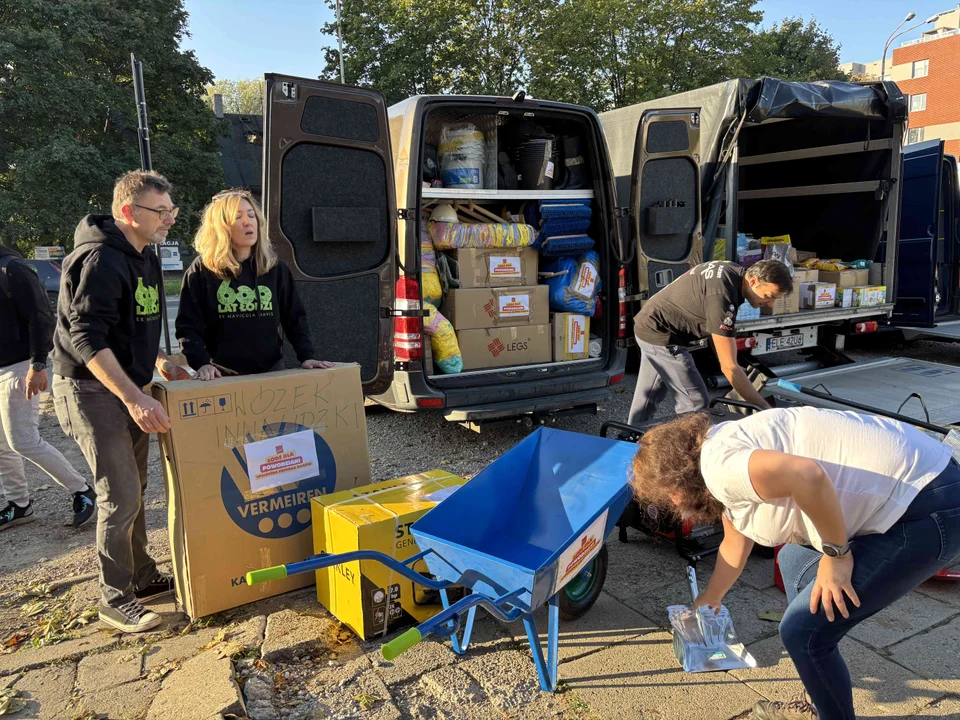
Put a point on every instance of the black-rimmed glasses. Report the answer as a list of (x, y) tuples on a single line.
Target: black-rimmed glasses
[(164, 214)]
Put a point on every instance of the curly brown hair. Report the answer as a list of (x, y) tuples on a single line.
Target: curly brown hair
[(668, 464)]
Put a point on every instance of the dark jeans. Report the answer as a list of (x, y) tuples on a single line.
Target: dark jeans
[(663, 368), (886, 567), (116, 451)]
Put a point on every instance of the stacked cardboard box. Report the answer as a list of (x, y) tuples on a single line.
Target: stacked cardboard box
[(501, 316)]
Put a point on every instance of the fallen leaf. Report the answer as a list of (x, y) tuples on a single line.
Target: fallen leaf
[(229, 649), (218, 638), (771, 615), (367, 701), (33, 609), (42, 488), (260, 664), (10, 702)]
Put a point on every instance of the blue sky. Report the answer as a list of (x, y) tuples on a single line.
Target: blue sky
[(246, 38)]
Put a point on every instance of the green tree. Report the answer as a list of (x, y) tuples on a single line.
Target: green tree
[(68, 119), (241, 97), (792, 50), (405, 48), (611, 53)]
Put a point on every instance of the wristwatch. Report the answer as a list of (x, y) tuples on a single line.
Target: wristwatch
[(39, 366), (831, 550)]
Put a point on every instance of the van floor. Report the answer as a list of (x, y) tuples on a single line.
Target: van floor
[(886, 384)]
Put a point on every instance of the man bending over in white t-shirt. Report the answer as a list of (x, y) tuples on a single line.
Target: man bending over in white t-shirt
[(868, 508)]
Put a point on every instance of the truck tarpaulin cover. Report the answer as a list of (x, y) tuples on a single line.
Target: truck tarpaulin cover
[(857, 112)]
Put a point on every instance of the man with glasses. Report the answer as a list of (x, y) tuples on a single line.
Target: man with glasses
[(106, 346)]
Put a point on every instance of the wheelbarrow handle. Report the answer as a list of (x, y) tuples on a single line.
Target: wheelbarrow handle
[(325, 560), (401, 643)]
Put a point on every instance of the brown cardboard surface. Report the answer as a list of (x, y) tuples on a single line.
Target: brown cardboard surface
[(480, 308), (817, 295), (502, 347), (802, 275), (496, 267), (790, 303), (845, 278), (220, 528), (571, 336)]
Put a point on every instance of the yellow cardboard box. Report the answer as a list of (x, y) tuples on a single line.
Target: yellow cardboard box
[(365, 595), (242, 460), (869, 295)]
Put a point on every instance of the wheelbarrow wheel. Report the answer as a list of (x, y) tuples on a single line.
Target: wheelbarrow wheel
[(579, 595)]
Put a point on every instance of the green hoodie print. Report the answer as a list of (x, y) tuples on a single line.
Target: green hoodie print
[(148, 300)]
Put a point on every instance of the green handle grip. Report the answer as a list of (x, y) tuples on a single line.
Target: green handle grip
[(400, 644), (266, 574)]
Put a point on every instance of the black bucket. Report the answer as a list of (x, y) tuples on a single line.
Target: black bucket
[(536, 163)]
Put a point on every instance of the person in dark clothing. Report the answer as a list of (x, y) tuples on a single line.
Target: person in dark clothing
[(27, 326), (106, 346), (237, 298), (700, 303)]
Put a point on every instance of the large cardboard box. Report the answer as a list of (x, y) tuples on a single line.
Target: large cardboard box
[(845, 278), (571, 336), (789, 303), (242, 460), (496, 267), (816, 295), (365, 595), (480, 308), (502, 347)]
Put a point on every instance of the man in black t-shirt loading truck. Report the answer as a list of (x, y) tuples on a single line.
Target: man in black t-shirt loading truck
[(700, 303)]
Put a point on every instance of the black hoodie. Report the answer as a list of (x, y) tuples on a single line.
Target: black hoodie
[(25, 317), (237, 323), (109, 298)]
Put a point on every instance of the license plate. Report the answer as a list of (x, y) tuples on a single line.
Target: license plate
[(784, 341)]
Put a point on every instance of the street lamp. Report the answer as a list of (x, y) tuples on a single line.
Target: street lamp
[(894, 35)]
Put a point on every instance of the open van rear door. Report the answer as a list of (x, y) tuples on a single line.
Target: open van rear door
[(665, 197), (328, 193)]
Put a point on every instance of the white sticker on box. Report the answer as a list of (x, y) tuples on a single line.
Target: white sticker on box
[(281, 460), (580, 552), (549, 172), (505, 266), (576, 340), (586, 282), (517, 305)]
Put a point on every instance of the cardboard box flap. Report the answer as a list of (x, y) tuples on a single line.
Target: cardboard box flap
[(364, 506)]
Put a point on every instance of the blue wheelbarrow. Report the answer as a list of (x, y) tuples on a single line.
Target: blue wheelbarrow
[(528, 530)]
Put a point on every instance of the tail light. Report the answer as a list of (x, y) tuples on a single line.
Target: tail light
[(746, 343), (430, 402), (622, 303), (614, 379), (407, 331), (866, 327)]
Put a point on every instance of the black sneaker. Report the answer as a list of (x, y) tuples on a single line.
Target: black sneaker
[(84, 505), (13, 515), (162, 584), (131, 617)]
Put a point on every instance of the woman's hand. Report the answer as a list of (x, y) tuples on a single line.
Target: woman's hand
[(833, 580), (317, 364), (208, 372), (705, 601)]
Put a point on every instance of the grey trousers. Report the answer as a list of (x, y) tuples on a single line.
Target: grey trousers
[(663, 368), (116, 450), (20, 438)]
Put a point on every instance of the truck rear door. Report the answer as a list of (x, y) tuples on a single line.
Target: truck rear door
[(328, 194), (921, 244), (665, 197)]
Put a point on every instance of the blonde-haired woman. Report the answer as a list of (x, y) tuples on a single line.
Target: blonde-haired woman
[(237, 298)]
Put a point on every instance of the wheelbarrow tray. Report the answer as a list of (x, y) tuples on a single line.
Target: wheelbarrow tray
[(530, 521)]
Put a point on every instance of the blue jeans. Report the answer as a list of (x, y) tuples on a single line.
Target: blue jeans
[(886, 567)]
